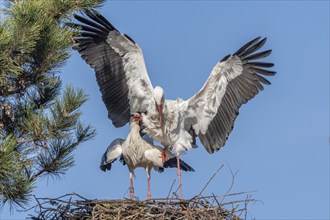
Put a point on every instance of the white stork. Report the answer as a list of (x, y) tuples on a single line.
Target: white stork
[(138, 152), (126, 88)]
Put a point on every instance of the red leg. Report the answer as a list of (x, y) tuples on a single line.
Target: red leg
[(149, 193), (131, 188), (179, 176), (164, 158)]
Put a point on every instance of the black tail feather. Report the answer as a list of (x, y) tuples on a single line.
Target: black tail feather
[(160, 170), (171, 163)]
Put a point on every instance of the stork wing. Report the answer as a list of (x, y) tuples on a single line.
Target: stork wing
[(233, 81), (119, 66), (155, 156), (113, 152)]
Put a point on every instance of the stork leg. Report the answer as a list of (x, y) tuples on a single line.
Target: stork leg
[(131, 187), (149, 192), (179, 176), (148, 169)]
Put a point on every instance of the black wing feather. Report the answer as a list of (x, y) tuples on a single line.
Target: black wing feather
[(108, 64), (106, 165), (238, 91)]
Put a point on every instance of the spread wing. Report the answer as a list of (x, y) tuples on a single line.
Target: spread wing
[(154, 155), (119, 66), (234, 80), (113, 152)]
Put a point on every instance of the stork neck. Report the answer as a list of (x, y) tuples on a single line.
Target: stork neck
[(135, 128)]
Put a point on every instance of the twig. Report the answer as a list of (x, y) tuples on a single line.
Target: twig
[(169, 192), (25, 140), (210, 180), (238, 201), (248, 197), (215, 198), (175, 192), (233, 175)]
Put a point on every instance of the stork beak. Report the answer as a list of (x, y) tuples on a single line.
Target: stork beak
[(160, 113), (137, 117)]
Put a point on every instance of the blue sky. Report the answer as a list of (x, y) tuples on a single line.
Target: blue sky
[(280, 142)]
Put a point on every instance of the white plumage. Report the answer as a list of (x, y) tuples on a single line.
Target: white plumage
[(136, 152), (126, 88)]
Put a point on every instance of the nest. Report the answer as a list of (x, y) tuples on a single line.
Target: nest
[(73, 206), (209, 207)]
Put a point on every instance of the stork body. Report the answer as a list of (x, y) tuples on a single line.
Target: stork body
[(173, 132), (138, 152), (126, 88)]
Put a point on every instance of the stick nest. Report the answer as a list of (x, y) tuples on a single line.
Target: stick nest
[(210, 207), (230, 206)]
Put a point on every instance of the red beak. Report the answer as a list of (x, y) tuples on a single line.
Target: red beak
[(137, 117), (160, 113)]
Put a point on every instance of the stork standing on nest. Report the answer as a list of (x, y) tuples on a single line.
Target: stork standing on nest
[(138, 152), (126, 88)]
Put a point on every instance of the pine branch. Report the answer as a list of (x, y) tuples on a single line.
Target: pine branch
[(39, 128), (14, 186)]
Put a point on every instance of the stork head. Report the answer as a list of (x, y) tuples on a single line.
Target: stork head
[(158, 95), (136, 117), (136, 121)]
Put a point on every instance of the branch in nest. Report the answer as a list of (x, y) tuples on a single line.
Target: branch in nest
[(75, 206)]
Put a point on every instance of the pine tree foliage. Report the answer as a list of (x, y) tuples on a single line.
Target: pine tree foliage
[(14, 186), (39, 124)]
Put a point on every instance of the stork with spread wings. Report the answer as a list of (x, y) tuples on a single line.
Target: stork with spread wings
[(126, 88)]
